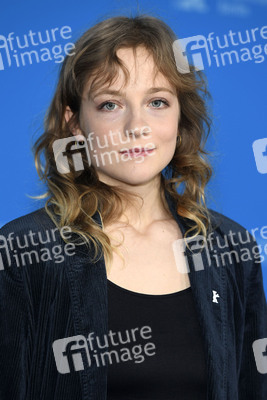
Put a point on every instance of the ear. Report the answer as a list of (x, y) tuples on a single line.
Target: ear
[(68, 114)]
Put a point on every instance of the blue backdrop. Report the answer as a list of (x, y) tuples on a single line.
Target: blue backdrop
[(231, 44)]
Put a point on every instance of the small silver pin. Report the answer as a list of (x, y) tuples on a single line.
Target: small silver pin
[(215, 296)]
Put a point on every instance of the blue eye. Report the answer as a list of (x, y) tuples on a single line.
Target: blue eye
[(109, 106), (158, 102)]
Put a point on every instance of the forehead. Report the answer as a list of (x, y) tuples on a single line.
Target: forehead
[(143, 73)]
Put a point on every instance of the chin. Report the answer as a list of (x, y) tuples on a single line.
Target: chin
[(135, 174), (132, 179)]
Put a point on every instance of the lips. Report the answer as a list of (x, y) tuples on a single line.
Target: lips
[(136, 151)]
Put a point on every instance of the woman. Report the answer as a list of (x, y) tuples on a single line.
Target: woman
[(102, 296)]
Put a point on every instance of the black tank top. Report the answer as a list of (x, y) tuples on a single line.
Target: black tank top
[(157, 352)]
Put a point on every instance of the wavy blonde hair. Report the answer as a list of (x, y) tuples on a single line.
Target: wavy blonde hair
[(73, 198)]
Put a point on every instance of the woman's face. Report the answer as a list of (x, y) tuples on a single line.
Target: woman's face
[(131, 131)]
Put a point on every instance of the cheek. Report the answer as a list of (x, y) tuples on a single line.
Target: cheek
[(88, 126), (88, 120), (100, 127), (168, 134), (168, 128)]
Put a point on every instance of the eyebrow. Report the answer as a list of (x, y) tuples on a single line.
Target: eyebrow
[(119, 93)]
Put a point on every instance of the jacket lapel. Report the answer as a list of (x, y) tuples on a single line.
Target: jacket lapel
[(212, 312), (207, 281), (88, 291)]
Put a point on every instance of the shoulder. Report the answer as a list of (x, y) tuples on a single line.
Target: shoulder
[(233, 240), (225, 225), (38, 220), (235, 246)]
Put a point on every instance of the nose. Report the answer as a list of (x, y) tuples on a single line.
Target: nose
[(134, 124)]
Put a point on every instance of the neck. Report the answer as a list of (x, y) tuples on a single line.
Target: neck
[(149, 207)]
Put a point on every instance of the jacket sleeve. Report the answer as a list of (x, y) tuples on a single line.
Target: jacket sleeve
[(14, 326), (252, 383)]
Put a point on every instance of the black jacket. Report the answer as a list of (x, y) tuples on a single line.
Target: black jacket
[(45, 297)]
